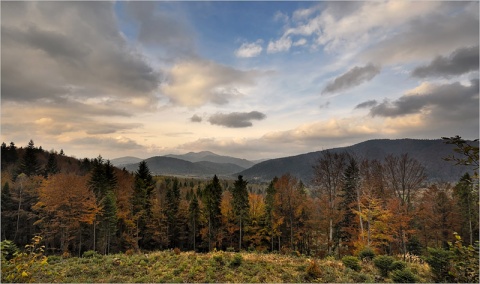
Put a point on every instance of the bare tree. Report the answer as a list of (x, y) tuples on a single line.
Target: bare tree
[(403, 175), (328, 178)]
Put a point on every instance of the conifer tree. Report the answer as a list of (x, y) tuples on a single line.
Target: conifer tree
[(240, 204), (194, 213), (269, 207), (171, 211), (466, 196), (212, 200), (29, 164), (142, 207), (51, 168)]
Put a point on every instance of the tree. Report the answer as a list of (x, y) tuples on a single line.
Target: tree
[(466, 196), (29, 165), (269, 207), (171, 211), (240, 204), (328, 177), (403, 175), (469, 150), (51, 168), (212, 199), (142, 207), (194, 214)]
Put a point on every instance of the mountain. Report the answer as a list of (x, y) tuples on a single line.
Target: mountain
[(118, 162), (427, 152), (207, 156), (162, 165)]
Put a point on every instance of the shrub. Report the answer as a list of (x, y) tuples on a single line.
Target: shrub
[(351, 262), (383, 263), (398, 265), (403, 276), (366, 254), (176, 251), (54, 259), (237, 260), (465, 266), (90, 254), (439, 261), (313, 270), (9, 249)]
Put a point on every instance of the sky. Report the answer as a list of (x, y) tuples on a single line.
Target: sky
[(254, 80)]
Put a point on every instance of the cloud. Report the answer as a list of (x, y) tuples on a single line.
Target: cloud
[(196, 118), (247, 50), (423, 36), (280, 45), (161, 29), (194, 83), (367, 104), (447, 101), (462, 60), (353, 77), (48, 56), (236, 119)]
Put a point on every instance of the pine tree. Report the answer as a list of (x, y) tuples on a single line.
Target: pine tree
[(466, 198), (269, 207), (212, 200), (51, 168), (171, 211), (142, 207), (194, 213), (240, 204), (109, 220), (29, 164)]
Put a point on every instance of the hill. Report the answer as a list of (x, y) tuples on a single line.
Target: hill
[(207, 156), (162, 165), (428, 152), (119, 162)]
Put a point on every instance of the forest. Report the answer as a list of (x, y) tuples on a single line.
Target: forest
[(351, 206)]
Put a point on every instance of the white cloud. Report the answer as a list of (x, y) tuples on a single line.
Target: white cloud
[(196, 82), (249, 49), (280, 45), (300, 42)]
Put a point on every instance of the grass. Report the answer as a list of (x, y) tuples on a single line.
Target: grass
[(190, 267)]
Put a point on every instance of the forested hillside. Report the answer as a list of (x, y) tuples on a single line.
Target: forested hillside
[(388, 207)]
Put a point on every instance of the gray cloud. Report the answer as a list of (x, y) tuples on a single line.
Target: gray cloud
[(109, 128), (424, 36), (367, 104), (47, 55), (462, 60), (353, 77), (236, 119), (196, 118), (160, 28), (450, 101)]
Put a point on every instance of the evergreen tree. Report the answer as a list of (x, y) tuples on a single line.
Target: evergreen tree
[(240, 204), (269, 207), (194, 213), (12, 155), (212, 200), (466, 195), (7, 210), (142, 207), (171, 211), (109, 220), (348, 226), (29, 164), (51, 168)]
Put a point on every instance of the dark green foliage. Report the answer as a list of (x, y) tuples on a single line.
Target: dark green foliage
[(398, 265), (466, 195), (109, 220), (465, 261), (366, 254), (383, 263), (102, 179), (51, 168), (351, 262), (142, 192), (414, 246), (29, 165), (240, 204), (194, 215), (90, 254), (171, 211), (8, 249), (439, 261), (351, 177), (212, 198), (403, 276), (237, 260), (269, 206)]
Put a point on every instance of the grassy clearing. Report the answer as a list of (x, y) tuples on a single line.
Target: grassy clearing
[(225, 267)]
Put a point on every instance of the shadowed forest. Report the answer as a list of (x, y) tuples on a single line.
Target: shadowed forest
[(355, 209)]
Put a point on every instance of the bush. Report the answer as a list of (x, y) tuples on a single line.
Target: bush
[(403, 276), (366, 254), (351, 262), (313, 270), (439, 261), (383, 263), (398, 265), (237, 260), (9, 249), (90, 254), (464, 260)]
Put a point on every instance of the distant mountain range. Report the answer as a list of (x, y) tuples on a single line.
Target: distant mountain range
[(205, 164), (429, 153)]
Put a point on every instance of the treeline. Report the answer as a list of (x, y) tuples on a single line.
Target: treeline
[(351, 204)]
